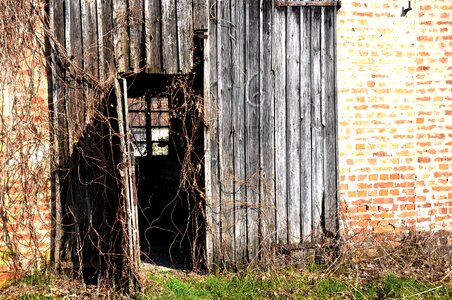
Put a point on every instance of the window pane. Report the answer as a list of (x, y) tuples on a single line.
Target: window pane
[(160, 149), (159, 104), (136, 104), (137, 119), (139, 134), (160, 134), (139, 149), (159, 118)]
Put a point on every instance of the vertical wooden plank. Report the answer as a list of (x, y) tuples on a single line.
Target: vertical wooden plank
[(75, 103), (305, 135), (225, 131), (89, 37), (136, 26), (317, 127), (213, 234), (293, 124), (329, 100), (169, 37), (279, 70), (100, 34), (200, 15), (253, 98), (153, 35), (120, 35), (90, 51), (56, 9), (238, 119), (184, 35), (266, 131), (106, 46)]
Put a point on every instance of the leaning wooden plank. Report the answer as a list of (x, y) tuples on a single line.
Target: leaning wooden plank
[(237, 32), (169, 37), (120, 35), (226, 149), (120, 102), (305, 135), (279, 69), (266, 132), (213, 232), (184, 35), (329, 101), (200, 15), (136, 25), (317, 126), (153, 35), (253, 101), (132, 200), (293, 124)]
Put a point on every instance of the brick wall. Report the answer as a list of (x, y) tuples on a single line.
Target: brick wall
[(25, 218), (395, 117)]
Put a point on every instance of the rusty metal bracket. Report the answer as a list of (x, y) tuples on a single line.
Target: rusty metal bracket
[(330, 244), (308, 4)]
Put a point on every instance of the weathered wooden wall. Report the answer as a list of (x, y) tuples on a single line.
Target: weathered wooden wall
[(271, 154), (272, 164), (106, 37), (91, 44)]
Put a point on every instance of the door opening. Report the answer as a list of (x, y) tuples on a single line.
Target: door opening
[(165, 127)]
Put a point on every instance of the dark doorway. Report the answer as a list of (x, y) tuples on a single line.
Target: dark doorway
[(164, 128)]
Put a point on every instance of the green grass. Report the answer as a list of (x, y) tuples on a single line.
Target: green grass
[(288, 284)]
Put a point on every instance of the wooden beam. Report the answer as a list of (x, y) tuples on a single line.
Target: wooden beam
[(308, 3)]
